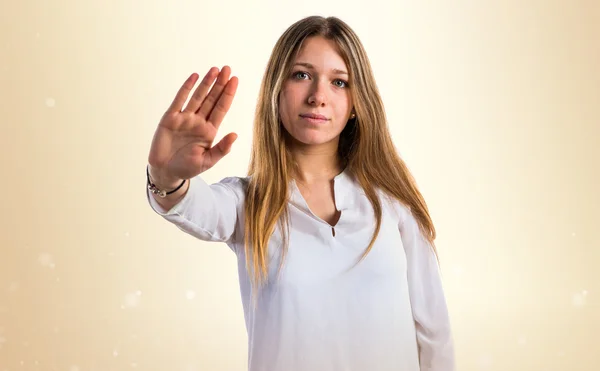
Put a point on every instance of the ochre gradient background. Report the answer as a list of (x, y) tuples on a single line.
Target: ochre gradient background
[(495, 106)]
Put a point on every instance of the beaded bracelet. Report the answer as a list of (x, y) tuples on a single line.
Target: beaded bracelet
[(154, 189)]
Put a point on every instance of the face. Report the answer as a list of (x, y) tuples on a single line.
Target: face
[(315, 102)]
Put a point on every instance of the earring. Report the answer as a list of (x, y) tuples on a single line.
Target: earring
[(352, 116)]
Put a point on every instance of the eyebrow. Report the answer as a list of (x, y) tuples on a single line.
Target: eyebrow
[(334, 70)]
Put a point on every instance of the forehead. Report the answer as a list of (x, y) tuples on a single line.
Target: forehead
[(321, 53)]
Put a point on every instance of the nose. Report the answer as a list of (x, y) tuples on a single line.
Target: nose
[(317, 96)]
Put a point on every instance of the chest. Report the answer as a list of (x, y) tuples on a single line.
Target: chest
[(316, 257)]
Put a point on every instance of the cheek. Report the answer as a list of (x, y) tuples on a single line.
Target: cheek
[(284, 98), (287, 102), (284, 109)]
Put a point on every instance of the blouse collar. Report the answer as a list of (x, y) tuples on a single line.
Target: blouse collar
[(343, 186)]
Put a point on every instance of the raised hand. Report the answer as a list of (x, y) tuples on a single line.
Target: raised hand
[(182, 146)]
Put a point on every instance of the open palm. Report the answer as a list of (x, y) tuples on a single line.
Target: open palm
[(182, 146)]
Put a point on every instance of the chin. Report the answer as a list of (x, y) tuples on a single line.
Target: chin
[(310, 136), (312, 139)]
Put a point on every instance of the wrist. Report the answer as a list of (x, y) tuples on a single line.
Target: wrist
[(163, 180), (161, 184)]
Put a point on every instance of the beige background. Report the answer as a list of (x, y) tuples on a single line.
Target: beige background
[(495, 105)]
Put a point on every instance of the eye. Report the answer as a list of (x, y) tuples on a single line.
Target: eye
[(344, 83), (298, 74)]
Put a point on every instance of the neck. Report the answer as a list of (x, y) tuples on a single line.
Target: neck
[(316, 163)]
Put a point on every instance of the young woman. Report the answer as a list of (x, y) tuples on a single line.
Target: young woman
[(337, 265)]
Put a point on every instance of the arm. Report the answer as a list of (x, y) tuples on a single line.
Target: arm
[(183, 148), (430, 312), (206, 211)]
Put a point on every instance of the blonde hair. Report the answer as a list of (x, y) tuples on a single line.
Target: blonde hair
[(365, 147)]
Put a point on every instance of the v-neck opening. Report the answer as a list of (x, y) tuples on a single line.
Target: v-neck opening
[(340, 184)]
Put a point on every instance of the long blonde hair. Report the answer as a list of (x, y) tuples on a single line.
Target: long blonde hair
[(365, 147)]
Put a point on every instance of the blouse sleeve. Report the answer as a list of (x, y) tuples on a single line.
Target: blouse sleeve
[(428, 302), (208, 212)]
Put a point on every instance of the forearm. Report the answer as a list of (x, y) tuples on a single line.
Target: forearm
[(206, 211)]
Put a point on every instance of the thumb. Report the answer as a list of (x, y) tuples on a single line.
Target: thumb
[(222, 148)]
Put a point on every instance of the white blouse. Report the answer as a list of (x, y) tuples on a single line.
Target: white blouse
[(324, 312)]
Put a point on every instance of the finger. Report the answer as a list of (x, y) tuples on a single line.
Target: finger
[(201, 90), (215, 92), (219, 150), (183, 93), (224, 103)]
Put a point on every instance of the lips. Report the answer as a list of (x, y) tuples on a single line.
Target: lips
[(314, 116)]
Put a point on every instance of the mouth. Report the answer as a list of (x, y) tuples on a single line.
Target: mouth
[(314, 117)]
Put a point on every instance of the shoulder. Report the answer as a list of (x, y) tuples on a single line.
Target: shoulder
[(235, 184), (391, 206), (401, 211)]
